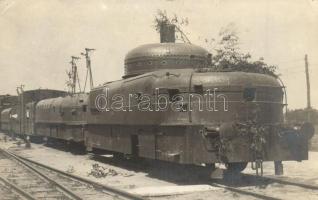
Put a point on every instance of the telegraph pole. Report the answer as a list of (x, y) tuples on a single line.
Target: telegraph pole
[(74, 75), (21, 107), (308, 88), (89, 68)]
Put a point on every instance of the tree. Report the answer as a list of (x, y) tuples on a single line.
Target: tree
[(227, 55), (301, 115)]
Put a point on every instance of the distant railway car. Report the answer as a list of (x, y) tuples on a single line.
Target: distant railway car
[(29, 99), (5, 120), (7, 101), (22, 111), (62, 117)]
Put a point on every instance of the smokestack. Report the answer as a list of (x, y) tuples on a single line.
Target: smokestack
[(167, 33)]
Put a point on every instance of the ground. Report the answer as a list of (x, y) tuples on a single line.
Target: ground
[(153, 181)]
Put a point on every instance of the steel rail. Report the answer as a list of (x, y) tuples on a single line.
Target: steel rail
[(241, 191), (95, 184), (18, 189), (282, 181), (56, 184)]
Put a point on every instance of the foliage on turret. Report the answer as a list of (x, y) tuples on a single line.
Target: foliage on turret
[(225, 50), (227, 55)]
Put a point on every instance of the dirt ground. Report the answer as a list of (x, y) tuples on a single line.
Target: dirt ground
[(142, 180)]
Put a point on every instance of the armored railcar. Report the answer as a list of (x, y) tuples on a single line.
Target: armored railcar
[(62, 117), (194, 133), (172, 106)]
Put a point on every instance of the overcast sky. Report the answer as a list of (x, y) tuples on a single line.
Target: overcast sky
[(38, 37)]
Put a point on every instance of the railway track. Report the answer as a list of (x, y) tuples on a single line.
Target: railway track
[(21, 178), (284, 181), (8, 191), (67, 186), (263, 194), (257, 195)]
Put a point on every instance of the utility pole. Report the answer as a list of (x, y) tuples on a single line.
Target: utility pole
[(89, 68), (308, 88), (20, 92), (74, 75)]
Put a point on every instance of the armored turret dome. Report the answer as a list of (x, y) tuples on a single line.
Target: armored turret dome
[(152, 57)]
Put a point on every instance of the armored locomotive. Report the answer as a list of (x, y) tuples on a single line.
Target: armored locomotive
[(172, 106)]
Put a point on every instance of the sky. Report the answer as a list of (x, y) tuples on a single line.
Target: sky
[(37, 37)]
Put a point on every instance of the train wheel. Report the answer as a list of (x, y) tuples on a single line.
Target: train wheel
[(236, 166)]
